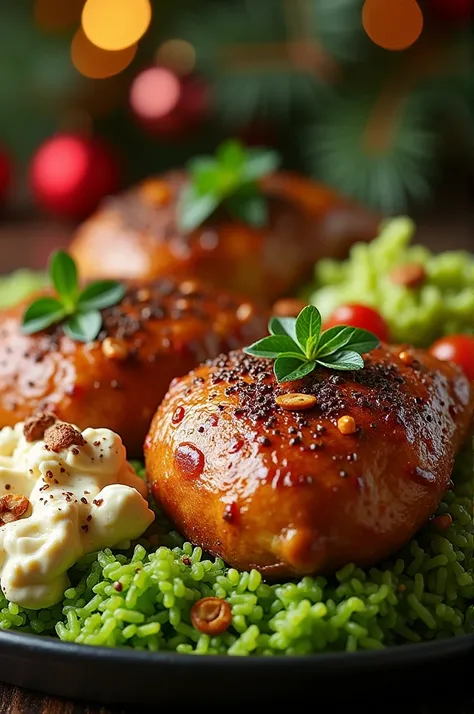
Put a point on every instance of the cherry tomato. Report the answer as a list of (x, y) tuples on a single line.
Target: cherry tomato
[(362, 316), (458, 349)]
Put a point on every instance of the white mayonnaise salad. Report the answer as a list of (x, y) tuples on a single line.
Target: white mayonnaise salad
[(81, 498)]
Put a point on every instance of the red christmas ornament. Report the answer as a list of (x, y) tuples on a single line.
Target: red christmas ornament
[(168, 105), (70, 174), (6, 174), (453, 10)]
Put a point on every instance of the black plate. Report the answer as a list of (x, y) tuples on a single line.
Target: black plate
[(125, 676)]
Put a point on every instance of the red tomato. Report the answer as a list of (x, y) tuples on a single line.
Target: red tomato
[(362, 316), (458, 349)]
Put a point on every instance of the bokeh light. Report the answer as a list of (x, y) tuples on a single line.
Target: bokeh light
[(178, 55), (57, 15), (115, 24), (392, 24), (154, 93), (93, 62)]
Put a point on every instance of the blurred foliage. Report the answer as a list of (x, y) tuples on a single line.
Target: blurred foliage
[(369, 122)]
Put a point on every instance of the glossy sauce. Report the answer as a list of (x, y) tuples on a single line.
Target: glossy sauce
[(189, 459), (178, 415)]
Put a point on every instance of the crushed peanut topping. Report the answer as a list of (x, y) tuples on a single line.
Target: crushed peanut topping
[(288, 307), (62, 435), (211, 615), (411, 275), (143, 295), (12, 507), (156, 193), (406, 357), (295, 402), (244, 311), (35, 426), (189, 287), (113, 348), (346, 425)]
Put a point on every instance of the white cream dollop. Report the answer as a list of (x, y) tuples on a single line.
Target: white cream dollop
[(83, 499)]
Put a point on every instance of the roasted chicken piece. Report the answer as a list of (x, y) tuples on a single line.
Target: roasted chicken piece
[(136, 235), (349, 477), (160, 330)]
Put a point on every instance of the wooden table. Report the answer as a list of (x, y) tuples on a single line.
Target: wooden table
[(439, 227), (16, 701)]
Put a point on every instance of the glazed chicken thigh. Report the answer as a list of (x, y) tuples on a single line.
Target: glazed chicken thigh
[(349, 478), (135, 235), (160, 330)]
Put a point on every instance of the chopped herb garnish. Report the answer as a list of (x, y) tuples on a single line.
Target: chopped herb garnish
[(298, 345), (230, 178), (78, 310)]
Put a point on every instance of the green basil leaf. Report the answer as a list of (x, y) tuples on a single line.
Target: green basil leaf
[(84, 327), (283, 326), (335, 338), (344, 360), (308, 326), (63, 273), (102, 293), (42, 313), (250, 209), (362, 341), (201, 164), (207, 181), (194, 209), (271, 347), (260, 162), (231, 155), (287, 368)]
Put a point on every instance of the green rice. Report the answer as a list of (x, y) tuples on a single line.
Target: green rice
[(423, 593), (444, 304), (16, 286)]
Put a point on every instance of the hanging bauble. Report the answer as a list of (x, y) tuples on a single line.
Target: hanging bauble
[(70, 174)]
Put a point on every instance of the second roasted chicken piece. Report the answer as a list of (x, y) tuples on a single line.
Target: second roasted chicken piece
[(160, 330), (136, 235), (349, 478)]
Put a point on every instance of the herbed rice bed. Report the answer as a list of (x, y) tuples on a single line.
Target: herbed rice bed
[(425, 593)]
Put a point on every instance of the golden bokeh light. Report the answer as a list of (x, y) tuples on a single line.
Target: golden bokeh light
[(57, 15), (177, 55), (93, 62), (392, 24), (115, 24)]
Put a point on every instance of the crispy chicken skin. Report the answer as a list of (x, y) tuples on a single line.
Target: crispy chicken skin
[(161, 330), (135, 235), (288, 493)]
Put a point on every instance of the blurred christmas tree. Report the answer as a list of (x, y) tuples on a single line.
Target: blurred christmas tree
[(163, 80)]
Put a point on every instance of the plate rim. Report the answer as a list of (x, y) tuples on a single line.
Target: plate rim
[(393, 654)]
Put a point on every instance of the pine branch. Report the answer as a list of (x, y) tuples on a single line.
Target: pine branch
[(270, 54), (379, 145)]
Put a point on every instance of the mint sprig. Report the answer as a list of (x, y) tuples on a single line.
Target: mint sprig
[(299, 344), (229, 178), (78, 310)]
